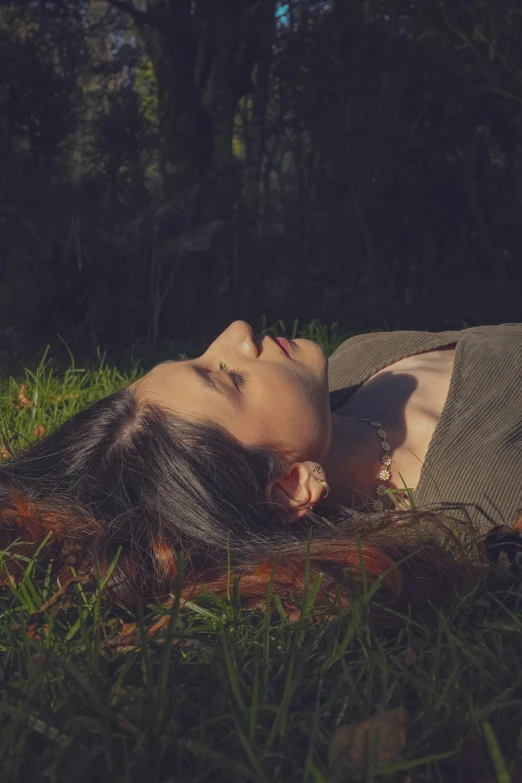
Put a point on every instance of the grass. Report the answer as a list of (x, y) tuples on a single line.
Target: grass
[(90, 693)]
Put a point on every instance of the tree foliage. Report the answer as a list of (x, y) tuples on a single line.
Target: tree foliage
[(170, 166)]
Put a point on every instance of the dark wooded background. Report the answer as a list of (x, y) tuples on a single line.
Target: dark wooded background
[(167, 167)]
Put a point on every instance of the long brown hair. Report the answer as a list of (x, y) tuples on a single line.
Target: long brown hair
[(127, 478)]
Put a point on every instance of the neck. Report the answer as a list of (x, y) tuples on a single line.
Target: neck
[(352, 462)]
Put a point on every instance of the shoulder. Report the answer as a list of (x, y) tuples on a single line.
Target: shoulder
[(374, 347), (368, 353), (360, 357)]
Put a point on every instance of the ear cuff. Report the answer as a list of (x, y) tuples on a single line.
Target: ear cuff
[(318, 469)]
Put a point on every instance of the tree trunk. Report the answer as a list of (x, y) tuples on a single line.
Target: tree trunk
[(256, 146), (204, 55), (185, 128)]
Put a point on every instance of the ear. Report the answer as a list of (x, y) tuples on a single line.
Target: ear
[(295, 490)]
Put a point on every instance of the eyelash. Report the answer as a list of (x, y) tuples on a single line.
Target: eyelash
[(240, 378)]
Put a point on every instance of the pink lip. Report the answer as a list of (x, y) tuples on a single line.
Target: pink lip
[(283, 344)]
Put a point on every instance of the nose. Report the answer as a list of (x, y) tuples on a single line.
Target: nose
[(241, 335), (244, 334)]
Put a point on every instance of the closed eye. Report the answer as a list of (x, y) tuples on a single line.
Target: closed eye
[(208, 381), (240, 378)]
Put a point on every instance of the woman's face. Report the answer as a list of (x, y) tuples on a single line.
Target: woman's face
[(283, 403)]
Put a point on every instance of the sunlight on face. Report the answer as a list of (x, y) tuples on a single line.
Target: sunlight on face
[(281, 401)]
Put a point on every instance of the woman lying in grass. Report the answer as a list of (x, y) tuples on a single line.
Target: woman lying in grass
[(232, 457)]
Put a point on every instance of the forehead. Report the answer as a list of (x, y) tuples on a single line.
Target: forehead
[(164, 384), (163, 373), (182, 384)]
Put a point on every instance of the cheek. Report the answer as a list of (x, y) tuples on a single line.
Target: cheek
[(290, 412), (311, 423), (295, 417)]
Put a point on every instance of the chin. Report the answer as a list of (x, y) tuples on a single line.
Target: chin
[(312, 347)]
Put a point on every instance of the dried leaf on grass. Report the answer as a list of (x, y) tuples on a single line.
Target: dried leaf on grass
[(474, 765), (39, 431), (351, 744), (23, 401)]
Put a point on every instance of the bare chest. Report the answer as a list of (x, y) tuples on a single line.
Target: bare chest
[(407, 397)]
